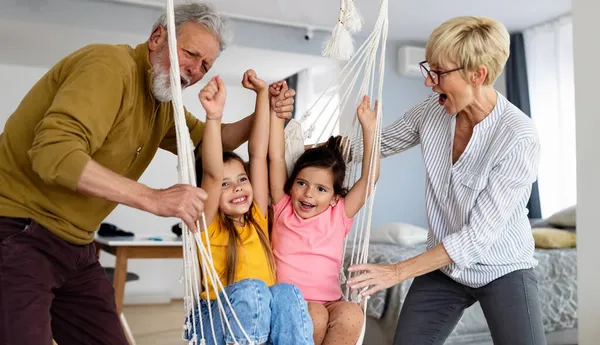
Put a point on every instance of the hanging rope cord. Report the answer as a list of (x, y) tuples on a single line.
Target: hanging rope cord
[(192, 243), (362, 62)]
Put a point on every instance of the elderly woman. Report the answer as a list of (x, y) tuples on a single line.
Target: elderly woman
[(481, 156)]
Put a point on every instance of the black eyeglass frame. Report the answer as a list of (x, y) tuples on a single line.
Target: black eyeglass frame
[(436, 77)]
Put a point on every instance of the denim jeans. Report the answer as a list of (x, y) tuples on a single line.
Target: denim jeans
[(276, 315), (435, 303)]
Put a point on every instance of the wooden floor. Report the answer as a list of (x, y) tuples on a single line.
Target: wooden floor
[(156, 324)]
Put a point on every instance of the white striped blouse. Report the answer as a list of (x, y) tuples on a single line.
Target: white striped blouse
[(477, 206)]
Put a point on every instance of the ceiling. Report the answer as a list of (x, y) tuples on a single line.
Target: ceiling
[(408, 20), (22, 43), (30, 32)]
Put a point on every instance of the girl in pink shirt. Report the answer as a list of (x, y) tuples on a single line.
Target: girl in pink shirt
[(312, 214)]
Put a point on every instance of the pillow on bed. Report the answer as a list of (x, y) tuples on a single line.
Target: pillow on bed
[(398, 233), (564, 218), (550, 238)]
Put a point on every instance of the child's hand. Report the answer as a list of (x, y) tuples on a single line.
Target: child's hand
[(366, 116), (275, 89), (277, 93), (252, 82), (212, 97)]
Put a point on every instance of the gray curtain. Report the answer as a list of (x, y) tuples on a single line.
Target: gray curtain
[(517, 92)]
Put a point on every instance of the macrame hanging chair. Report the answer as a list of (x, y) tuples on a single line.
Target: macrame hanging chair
[(367, 64)]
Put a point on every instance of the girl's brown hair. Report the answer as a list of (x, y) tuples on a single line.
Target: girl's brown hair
[(327, 156), (234, 236)]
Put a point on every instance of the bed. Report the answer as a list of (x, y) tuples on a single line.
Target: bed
[(557, 276)]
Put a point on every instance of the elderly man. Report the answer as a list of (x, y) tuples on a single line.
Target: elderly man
[(71, 152)]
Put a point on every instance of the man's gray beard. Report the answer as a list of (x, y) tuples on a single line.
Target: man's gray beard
[(161, 80), (161, 84)]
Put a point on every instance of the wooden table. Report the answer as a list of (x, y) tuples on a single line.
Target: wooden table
[(125, 248)]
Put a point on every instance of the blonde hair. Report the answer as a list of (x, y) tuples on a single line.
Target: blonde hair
[(470, 42)]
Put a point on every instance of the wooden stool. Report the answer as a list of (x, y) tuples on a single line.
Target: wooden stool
[(110, 272)]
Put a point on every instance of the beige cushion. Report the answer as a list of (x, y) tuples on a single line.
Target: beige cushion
[(294, 144), (564, 218), (550, 238)]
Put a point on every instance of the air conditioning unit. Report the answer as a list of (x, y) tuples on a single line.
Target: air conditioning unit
[(409, 58)]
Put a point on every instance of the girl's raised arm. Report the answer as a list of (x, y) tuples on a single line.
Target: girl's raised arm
[(355, 198), (212, 97), (258, 144), (277, 167)]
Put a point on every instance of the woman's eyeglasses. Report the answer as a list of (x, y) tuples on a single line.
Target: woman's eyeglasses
[(434, 75)]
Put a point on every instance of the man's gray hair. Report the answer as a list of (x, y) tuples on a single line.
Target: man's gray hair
[(201, 13)]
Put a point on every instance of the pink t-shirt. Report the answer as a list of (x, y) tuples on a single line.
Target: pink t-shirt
[(308, 252)]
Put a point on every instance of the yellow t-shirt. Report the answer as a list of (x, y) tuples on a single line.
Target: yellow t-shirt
[(252, 262)]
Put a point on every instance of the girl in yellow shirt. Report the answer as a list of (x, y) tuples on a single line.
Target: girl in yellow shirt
[(236, 210)]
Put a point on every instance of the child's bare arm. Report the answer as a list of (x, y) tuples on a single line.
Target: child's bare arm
[(212, 97), (277, 167), (258, 145), (358, 193)]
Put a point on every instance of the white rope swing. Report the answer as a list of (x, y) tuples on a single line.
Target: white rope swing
[(363, 63), (192, 243), (367, 63), (340, 45)]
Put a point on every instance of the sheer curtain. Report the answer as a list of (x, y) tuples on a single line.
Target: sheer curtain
[(549, 55)]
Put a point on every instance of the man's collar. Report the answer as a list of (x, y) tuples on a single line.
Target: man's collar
[(142, 58)]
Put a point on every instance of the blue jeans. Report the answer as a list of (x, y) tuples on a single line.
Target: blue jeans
[(435, 303), (276, 316)]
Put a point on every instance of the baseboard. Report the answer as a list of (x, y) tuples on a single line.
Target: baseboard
[(564, 337)]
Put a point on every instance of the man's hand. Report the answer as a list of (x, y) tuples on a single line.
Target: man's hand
[(282, 99), (212, 97), (252, 82), (181, 201)]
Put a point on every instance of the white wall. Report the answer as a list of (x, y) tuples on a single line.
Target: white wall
[(16, 81), (404, 173), (585, 53), (500, 83), (402, 177), (158, 278)]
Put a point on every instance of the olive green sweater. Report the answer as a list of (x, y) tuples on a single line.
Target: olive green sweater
[(94, 104)]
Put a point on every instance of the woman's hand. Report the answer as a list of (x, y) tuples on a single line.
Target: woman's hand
[(212, 97), (377, 276), (380, 276)]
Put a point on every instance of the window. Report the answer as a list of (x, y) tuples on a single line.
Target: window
[(549, 57)]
